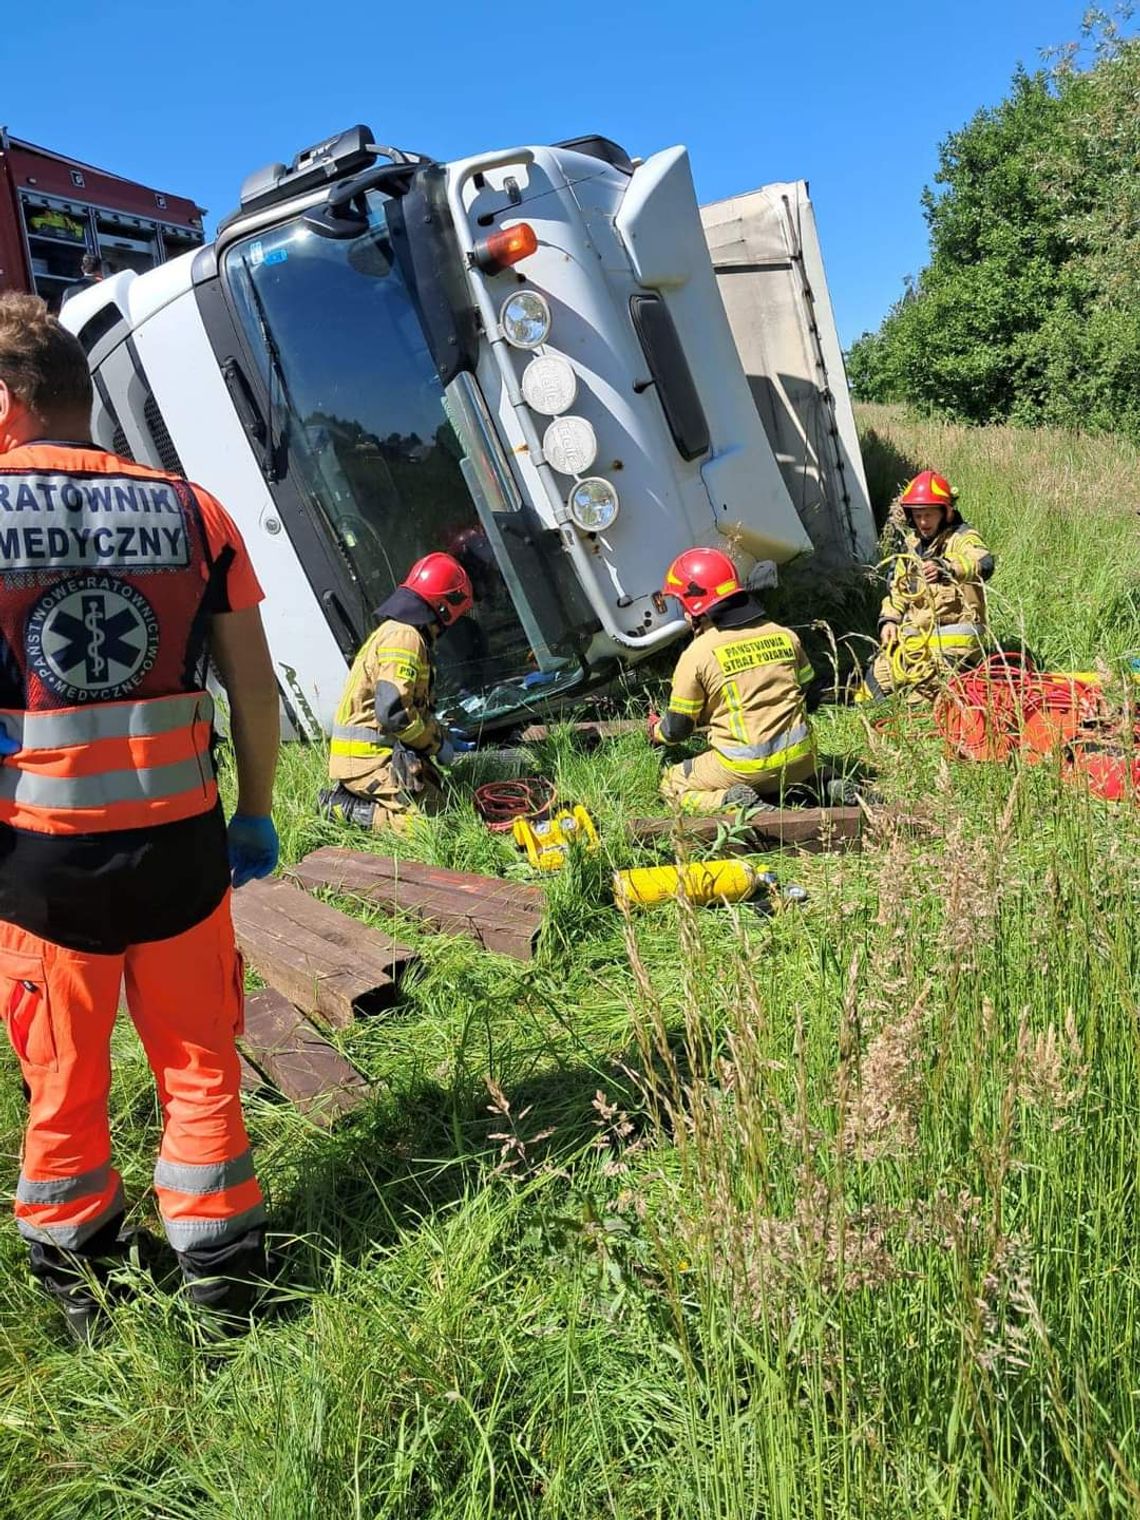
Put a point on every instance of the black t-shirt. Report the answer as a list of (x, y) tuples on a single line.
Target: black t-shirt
[(103, 892)]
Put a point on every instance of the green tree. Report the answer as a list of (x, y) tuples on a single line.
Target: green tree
[(1027, 310)]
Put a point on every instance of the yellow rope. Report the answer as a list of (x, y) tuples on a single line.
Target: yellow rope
[(911, 655)]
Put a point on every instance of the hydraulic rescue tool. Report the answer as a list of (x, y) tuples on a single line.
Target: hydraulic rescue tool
[(547, 841)]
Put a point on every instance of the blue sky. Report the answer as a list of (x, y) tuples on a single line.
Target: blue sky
[(852, 95)]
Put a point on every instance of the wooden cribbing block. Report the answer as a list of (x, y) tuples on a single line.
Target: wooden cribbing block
[(302, 1065), (325, 962), (499, 915), (251, 1079), (813, 829)]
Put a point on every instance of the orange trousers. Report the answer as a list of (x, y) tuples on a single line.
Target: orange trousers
[(186, 1000)]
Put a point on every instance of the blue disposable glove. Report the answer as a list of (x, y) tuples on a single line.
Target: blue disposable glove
[(253, 848), (8, 745), (460, 743)]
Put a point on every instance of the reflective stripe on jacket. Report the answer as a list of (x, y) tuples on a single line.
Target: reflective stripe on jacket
[(745, 686), (107, 578), (114, 765), (387, 699)]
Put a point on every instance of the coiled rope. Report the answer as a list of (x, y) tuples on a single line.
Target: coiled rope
[(499, 803)]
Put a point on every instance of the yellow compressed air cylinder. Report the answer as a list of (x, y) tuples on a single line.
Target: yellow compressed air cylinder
[(701, 882)]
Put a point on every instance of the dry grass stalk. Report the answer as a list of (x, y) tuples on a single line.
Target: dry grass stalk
[(1052, 1074), (820, 1247), (515, 1147), (615, 1128), (1009, 1317), (883, 1119)]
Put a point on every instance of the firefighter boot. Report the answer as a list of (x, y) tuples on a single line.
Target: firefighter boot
[(841, 791), (339, 802)]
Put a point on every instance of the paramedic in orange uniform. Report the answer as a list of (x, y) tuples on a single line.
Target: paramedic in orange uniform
[(116, 865)]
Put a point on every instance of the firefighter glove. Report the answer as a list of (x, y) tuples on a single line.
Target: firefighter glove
[(408, 768), (253, 847)]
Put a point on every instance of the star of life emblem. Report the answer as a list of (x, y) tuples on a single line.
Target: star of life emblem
[(92, 638)]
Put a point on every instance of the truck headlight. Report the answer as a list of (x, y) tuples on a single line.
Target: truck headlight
[(525, 319), (570, 445), (549, 384), (593, 504)]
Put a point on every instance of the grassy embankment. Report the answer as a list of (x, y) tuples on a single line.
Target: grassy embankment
[(827, 1214)]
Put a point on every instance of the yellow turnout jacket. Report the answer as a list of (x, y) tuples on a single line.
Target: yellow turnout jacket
[(955, 604), (745, 686), (388, 698)]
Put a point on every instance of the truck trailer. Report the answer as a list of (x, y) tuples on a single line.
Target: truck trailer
[(769, 269), (520, 357)]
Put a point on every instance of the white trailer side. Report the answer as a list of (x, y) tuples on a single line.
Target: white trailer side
[(769, 269)]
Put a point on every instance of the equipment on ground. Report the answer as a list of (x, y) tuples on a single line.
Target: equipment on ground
[(1006, 706), (547, 841), (701, 882), (1108, 770), (499, 803), (522, 357)]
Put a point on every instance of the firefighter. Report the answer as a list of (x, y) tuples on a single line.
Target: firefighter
[(116, 865), (742, 679), (386, 740), (933, 616)]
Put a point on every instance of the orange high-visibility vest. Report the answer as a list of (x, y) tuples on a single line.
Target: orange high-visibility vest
[(104, 575)]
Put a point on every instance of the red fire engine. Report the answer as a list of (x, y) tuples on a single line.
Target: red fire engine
[(55, 209)]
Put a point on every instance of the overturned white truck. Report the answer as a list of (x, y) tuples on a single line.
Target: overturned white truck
[(521, 358)]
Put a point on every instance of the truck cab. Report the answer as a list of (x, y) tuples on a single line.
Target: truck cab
[(520, 358)]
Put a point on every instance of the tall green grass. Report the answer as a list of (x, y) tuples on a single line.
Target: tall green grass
[(704, 1213)]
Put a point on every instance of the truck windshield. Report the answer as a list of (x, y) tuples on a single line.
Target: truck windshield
[(358, 412)]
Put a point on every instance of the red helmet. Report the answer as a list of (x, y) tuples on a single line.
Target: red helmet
[(700, 578), (929, 490), (443, 584)]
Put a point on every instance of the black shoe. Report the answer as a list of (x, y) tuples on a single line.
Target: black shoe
[(78, 1280), (82, 1312), (226, 1287), (841, 791)]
